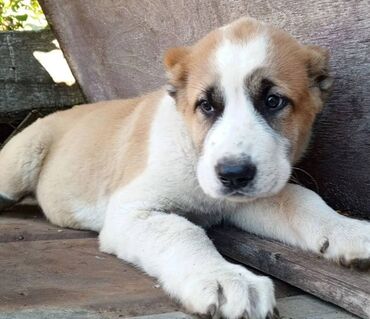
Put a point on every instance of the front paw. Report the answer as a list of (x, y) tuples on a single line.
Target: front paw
[(349, 244), (230, 292)]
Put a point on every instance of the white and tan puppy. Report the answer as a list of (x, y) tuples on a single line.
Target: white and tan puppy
[(218, 143)]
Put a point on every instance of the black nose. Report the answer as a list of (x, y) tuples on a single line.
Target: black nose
[(236, 174)]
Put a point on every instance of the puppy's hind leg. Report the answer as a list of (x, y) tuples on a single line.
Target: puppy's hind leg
[(21, 161)]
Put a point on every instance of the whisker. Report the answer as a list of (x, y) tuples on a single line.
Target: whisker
[(310, 176), (295, 180)]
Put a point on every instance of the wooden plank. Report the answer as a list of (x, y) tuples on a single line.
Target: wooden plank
[(173, 315), (83, 314), (35, 278), (308, 307), (16, 56), (27, 223), (72, 274), (126, 40), (346, 288), (24, 82), (18, 99), (298, 307)]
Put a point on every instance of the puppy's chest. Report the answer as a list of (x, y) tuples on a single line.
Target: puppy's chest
[(170, 184), (176, 190)]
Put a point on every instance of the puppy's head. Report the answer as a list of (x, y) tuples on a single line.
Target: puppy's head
[(249, 94)]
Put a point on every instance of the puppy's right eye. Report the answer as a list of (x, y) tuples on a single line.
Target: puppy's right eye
[(206, 107), (276, 102)]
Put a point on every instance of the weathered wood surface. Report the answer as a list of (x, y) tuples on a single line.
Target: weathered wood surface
[(83, 314), (27, 223), (297, 307), (52, 272), (73, 273), (346, 288), (308, 307), (126, 39), (58, 278), (24, 83)]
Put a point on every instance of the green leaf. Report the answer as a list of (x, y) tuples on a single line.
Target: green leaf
[(22, 17), (21, 14)]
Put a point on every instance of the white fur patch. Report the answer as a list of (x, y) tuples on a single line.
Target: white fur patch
[(236, 60), (241, 132), (169, 178), (90, 216)]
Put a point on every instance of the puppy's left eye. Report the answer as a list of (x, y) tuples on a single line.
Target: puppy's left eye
[(276, 102), (206, 107)]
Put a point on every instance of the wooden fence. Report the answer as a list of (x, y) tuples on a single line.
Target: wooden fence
[(25, 85)]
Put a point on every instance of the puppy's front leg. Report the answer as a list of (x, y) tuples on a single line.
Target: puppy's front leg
[(300, 217), (186, 263)]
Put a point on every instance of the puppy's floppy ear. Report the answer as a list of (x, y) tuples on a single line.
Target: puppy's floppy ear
[(175, 61), (318, 69)]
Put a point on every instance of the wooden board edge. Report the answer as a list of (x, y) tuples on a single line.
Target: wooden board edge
[(279, 260)]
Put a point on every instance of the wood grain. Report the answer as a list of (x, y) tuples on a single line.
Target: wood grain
[(346, 288), (24, 223), (53, 274), (115, 49), (73, 274), (27, 223), (24, 83)]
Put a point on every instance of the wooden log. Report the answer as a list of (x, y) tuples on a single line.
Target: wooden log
[(346, 288), (24, 82)]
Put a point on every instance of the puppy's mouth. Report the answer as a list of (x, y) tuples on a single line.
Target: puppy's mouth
[(247, 194), (239, 195)]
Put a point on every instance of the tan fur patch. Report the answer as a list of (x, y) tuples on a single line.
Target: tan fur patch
[(118, 154), (197, 75), (290, 61), (135, 152), (244, 29)]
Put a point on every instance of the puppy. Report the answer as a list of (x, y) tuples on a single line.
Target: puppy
[(217, 144)]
